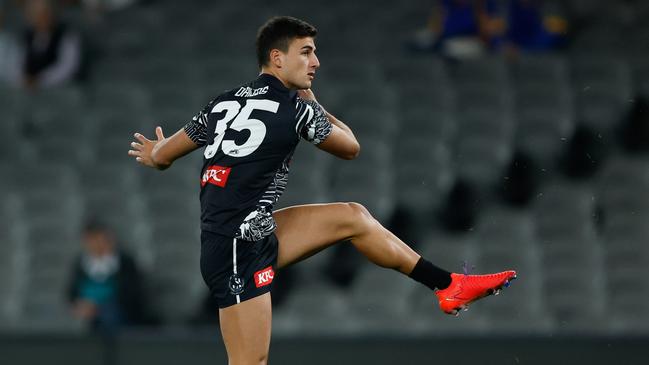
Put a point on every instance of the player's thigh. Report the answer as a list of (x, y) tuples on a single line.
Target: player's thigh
[(304, 230), (246, 329)]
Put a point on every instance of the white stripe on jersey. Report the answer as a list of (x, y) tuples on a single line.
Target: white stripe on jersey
[(307, 109)]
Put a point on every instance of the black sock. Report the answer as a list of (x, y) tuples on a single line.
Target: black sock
[(430, 275)]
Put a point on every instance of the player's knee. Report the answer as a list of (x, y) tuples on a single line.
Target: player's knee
[(358, 210), (360, 217)]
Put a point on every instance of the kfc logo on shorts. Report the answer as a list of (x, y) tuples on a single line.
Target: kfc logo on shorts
[(264, 277), (215, 175)]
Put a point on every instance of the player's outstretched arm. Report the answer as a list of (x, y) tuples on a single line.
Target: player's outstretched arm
[(341, 142), (162, 152)]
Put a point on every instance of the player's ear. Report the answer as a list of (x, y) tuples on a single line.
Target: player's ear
[(276, 58)]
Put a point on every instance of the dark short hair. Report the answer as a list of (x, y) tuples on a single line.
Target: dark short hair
[(95, 225), (278, 32)]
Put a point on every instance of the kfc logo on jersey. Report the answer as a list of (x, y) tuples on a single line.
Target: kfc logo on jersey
[(216, 175), (264, 277)]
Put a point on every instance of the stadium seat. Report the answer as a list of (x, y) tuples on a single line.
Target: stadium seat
[(314, 309), (419, 95), (112, 150), (489, 123), (182, 178), (309, 178), (610, 70), (11, 249), (11, 147), (43, 291), (422, 70), (602, 88), (340, 70), (126, 96), (605, 39), (371, 122), (422, 122), (369, 181), (225, 73), (625, 173), (481, 72), (59, 150), (104, 177), (71, 122), (60, 100), (570, 254), (484, 97), (503, 230), (422, 182), (381, 289), (532, 98), (12, 101), (175, 273), (598, 110), (482, 160), (50, 177), (564, 210), (426, 319), (640, 67), (380, 299), (627, 293), (122, 211), (540, 69), (118, 123), (544, 134), (621, 188)]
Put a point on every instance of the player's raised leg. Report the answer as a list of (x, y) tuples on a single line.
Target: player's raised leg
[(246, 329), (304, 230)]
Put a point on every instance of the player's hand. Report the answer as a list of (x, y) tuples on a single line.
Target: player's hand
[(306, 94), (143, 151)]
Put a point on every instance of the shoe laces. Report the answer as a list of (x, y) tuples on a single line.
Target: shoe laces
[(465, 267)]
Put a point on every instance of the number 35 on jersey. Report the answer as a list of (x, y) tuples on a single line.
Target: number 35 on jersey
[(241, 120)]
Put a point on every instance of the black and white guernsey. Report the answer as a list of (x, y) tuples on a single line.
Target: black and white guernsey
[(250, 134)]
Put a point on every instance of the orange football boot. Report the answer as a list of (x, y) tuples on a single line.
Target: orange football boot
[(466, 289)]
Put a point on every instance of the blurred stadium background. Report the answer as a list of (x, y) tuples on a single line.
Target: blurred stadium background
[(439, 138)]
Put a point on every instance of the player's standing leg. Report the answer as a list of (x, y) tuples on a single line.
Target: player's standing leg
[(246, 329), (304, 230)]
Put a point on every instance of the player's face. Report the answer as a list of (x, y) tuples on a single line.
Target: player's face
[(300, 63), (98, 244)]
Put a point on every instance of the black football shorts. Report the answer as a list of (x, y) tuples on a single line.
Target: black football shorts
[(236, 270)]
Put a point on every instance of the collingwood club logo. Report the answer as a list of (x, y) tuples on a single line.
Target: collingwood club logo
[(236, 284)]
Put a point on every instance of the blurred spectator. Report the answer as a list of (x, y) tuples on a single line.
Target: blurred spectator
[(530, 25), (457, 28), (51, 50), (9, 63), (105, 287)]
